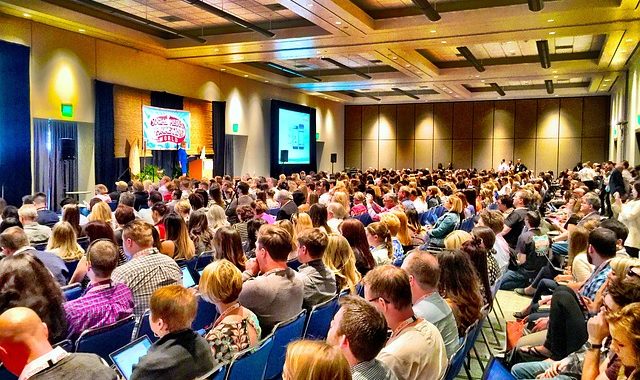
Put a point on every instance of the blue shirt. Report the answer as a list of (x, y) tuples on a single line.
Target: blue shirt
[(398, 251), (598, 277), (436, 310), (184, 160)]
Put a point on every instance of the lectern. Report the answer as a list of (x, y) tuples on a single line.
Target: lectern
[(201, 168)]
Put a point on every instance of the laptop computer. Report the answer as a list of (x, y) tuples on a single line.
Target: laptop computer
[(187, 278), (128, 356)]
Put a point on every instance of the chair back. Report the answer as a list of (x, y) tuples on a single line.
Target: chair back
[(319, 320), (83, 242), (496, 371), (273, 211), (218, 373), (471, 335), (251, 363), (143, 327), (283, 333), (104, 340), (72, 291), (205, 316), (5, 374), (40, 246), (71, 267), (294, 264), (456, 361), (113, 205), (66, 345), (204, 259)]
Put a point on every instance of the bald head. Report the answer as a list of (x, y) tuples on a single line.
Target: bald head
[(23, 338), (424, 268)]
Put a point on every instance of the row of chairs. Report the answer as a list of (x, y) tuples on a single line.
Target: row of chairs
[(266, 361)]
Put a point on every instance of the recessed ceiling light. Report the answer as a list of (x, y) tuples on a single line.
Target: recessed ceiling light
[(482, 81), (266, 81), (629, 40), (552, 33), (81, 30), (443, 42), (216, 49), (607, 80), (407, 65), (551, 20), (26, 15), (555, 76), (622, 51), (477, 76), (338, 22), (394, 57), (555, 71), (432, 30), (555, 96), (246, 76), (223, 69)]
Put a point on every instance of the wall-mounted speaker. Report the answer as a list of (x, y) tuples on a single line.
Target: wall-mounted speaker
[(284, 156), (334, 158)]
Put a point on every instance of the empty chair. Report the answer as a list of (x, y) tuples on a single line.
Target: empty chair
[(104, 340), (283, 333), (72, 291), (320, 319), (144, 327), (251, 363), (206, 315)]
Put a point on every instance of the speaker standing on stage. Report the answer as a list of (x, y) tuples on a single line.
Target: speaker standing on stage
[(183, 159)]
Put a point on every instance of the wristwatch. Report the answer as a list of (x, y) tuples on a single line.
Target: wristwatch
[(591, 346)]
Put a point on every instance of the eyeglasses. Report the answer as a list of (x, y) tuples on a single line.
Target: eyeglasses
[(378, 298)]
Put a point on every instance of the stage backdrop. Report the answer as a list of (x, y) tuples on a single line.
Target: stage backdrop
[(164, 129)]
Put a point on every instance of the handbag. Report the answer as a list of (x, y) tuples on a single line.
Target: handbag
[(515, 331)]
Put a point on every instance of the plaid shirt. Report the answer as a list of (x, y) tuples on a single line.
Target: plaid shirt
[(598, 277), (102, 304), (372, 370), (146, 273)]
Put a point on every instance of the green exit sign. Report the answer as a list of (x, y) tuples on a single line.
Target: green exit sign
[(236, 127), (66, 110), (317, 136)]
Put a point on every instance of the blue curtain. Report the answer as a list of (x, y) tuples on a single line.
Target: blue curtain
[(54, 176), (108, 168), (15, 125), (166, 159)]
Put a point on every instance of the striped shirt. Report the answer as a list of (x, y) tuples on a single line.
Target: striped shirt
[(372, 370)]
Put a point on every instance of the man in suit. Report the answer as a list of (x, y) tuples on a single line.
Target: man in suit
[(287, 206), (14, 241), (45, 216), (616, 181)]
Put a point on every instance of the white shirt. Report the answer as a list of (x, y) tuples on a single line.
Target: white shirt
[(417, 353)]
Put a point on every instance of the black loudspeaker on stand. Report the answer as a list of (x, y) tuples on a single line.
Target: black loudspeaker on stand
[(334, 159), (284, 158), (67, 149)]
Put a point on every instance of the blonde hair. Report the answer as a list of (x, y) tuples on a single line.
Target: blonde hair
[(288, 226), (221, 281), (183, 208), (100, 212), (315, 360), (455, 204), (381, 230), (342, 198), (301, 222), (627, 321), (621, 265), (340, 259), (456, 238), (101, 189), (404, 235), (392, 222), (578, 242), (63, 238), (216, 217)]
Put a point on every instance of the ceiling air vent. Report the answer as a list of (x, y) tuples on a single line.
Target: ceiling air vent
[(275, 7), (171, 18)]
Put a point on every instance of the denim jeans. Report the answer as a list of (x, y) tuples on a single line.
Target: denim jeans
[(514, 279), (530, 370)]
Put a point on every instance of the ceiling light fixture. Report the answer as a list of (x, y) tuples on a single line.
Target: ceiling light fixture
[(497, 88), (292, 72), (246, 76), (468, 55), (138, 20), (543, 53), (548, 83), (427, 9), (552, 33), (343, 66), (535, 5), (406, 93), (551, 20), (26, 15), (229, 17)]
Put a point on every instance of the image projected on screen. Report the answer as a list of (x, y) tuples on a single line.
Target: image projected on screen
[(295, 136)]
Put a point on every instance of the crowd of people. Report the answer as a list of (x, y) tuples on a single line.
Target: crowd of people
[(415, 256)]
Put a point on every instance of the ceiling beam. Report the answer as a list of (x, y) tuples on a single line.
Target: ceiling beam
[(361, 24)]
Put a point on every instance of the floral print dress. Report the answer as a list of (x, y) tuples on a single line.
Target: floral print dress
[(228, 338)]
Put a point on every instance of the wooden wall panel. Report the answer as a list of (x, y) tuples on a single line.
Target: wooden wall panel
[(353, 153), (201, 121), (387, 154), (525, 149), (594, 149), (596, 117), (405, 126), (424, 121), (405, 154), (370, 118), (462, 152), (546, 154), (503, 119), (570, 150), (127, 118), (370, 154), (387, 122), (463, 120), (441, 152), (442, 120), (570, 118), (482, 153), (525, 119), (483, 120), (424, 154), (352, 123), (548, 118), (502, 148)]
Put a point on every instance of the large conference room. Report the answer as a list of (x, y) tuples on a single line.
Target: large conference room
[(319, 189)]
